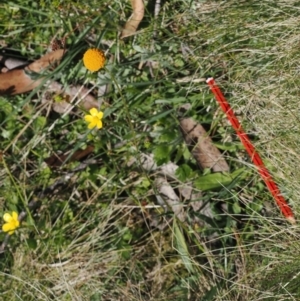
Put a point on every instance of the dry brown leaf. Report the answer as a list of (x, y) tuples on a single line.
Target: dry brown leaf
[(135, 19), (46, 60), (16, 81), (205, 153)]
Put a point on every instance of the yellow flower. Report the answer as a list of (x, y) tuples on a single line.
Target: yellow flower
[(94, 59), (94, 119), (11, 222)]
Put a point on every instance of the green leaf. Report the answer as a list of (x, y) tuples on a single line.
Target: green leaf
[(256, 207), (145, 183), (183, 172), (159, 116), (182, 248), (186, 153), (179, 63), (6, 107), (127, 235), (210, 295), (139, 49), (229, 146), (236, 208), (168, 136), (39, 122), (171, 100), (32, 244), (13, 198), (218, 180), (162, 154), (96, 297)]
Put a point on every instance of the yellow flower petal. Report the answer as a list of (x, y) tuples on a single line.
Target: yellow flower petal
[(15, 215), (88, 118), (93, 123), (8, 227), (7, 217), (100, 115), (99, 124), (16, 224), (93, 112)]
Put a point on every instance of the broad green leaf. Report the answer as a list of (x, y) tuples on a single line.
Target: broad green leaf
[(218, 180), (39, 122), (162, 154), (236, 208), (168, 136), (183, 172)]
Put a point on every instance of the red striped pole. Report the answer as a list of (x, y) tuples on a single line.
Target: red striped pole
[(255, 157)]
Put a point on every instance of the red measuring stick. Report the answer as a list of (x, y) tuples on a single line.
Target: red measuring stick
[(255, 157)]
